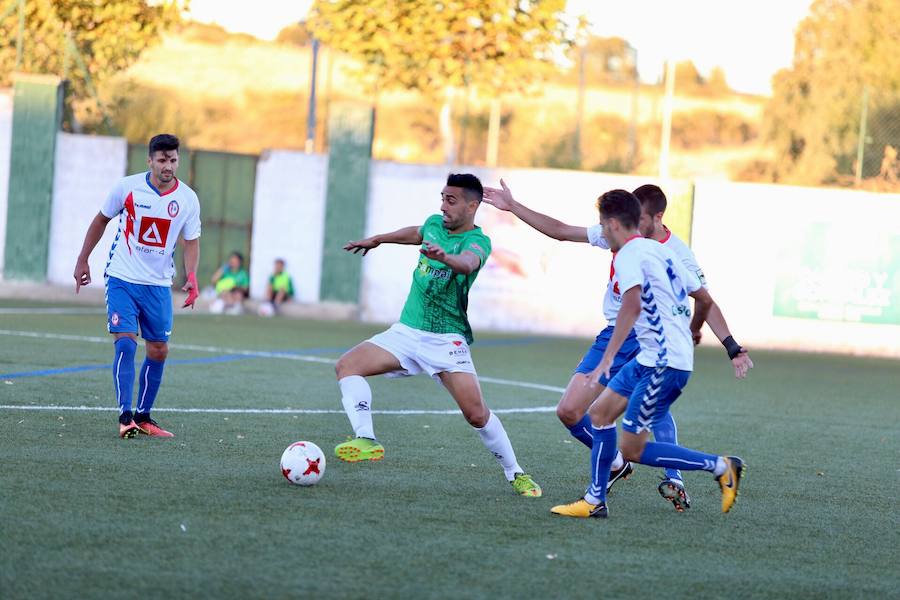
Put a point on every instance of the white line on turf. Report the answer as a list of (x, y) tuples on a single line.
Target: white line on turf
[(272, 411), (253, 353)]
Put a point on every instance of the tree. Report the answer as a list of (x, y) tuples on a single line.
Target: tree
[(842, 48), (85, 40), (438, 46)]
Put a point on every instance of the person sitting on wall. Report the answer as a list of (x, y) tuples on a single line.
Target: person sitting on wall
[(279, 290), (232, 286)]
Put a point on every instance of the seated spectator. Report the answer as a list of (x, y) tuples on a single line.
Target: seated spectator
[(279, 290), (232, 286)]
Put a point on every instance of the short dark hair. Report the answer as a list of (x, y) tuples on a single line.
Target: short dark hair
[(621, 205), (163, 142), (468, 182), (651, 198), (239, 256)]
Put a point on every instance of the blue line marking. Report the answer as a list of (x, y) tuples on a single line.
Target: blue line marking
[(231, 358)]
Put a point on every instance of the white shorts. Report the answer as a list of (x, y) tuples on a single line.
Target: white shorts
[(425, 352)]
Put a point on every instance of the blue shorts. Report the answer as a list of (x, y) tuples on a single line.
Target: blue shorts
[(650, 392), (130, 304), (594, 355)]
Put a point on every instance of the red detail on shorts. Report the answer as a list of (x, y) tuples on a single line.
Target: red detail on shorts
[(312, 466), (457, 343)]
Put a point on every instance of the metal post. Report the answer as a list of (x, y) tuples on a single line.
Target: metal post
[(20, 37), (667, 121), (579, 110), (632, 126), (311, 112), (861, 145)]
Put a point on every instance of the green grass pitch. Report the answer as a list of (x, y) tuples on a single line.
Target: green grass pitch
[(87, 515)]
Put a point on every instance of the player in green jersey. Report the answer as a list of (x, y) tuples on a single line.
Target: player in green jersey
[(433, 334)]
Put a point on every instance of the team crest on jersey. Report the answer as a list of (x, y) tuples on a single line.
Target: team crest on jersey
[(173, 209), (114, 319)]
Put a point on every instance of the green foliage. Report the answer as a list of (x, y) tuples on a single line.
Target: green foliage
[(294, 35), (109, 36), (707, 127), (497, 45), (843, 47)]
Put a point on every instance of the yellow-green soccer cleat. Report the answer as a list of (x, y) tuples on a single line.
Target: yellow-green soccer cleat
[(359, 449), (581, 509), (730, 480), (526, 486)]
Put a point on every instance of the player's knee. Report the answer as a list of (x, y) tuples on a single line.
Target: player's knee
[(567, 414), (631, 451), (343, 368), (477, 417), (600, 415), (158, 352)]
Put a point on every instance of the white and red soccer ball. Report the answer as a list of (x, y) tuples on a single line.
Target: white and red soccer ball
[(303, 463)]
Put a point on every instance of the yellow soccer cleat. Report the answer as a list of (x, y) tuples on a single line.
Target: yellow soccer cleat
[(359, 449), (730, 480), (581, 509), (526, 486)]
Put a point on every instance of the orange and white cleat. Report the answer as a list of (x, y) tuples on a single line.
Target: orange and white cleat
[(152, 428), (128, 430)]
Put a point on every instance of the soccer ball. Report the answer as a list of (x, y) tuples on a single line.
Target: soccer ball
[(303, 463)]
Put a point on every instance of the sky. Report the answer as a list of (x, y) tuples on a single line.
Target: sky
[(749, 40)]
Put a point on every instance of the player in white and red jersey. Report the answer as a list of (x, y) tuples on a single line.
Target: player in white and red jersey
[(572, 407), (154, 208), (653, 288)]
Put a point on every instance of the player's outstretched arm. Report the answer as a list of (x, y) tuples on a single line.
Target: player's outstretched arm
[(407, 235), (465, 262), (91, 238), (503, 199), (740, 358)]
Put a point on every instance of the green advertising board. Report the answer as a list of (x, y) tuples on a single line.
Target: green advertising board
[(824, 274)]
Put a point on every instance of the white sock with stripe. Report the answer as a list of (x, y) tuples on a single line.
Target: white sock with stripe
[(356, 396), (495, 439)]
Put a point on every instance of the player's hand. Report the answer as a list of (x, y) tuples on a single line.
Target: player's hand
[(602, 369), (192, 289), (499, 198), (697, 335), (433, 252), (82, 274), (742, 364), (362, 245)]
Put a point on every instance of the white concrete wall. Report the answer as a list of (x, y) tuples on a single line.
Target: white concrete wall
[(289, 220), (531, 283), (6, 113), (86, 169), (833, 253)]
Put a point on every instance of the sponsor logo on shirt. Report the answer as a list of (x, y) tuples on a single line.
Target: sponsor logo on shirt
[(426, 269), (173, 209), (154, 232)]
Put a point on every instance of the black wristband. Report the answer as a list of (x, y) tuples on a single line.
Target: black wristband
[(731, 347)]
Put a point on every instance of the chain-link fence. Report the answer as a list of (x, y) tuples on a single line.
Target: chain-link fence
[(877, 163)]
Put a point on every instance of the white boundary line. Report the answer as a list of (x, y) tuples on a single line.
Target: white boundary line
[(270, 411), (255, 354), (52, 311)]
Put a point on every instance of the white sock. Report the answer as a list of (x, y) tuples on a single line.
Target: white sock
[(720, 466), (356, 396), (618, 461), (495, 439)]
